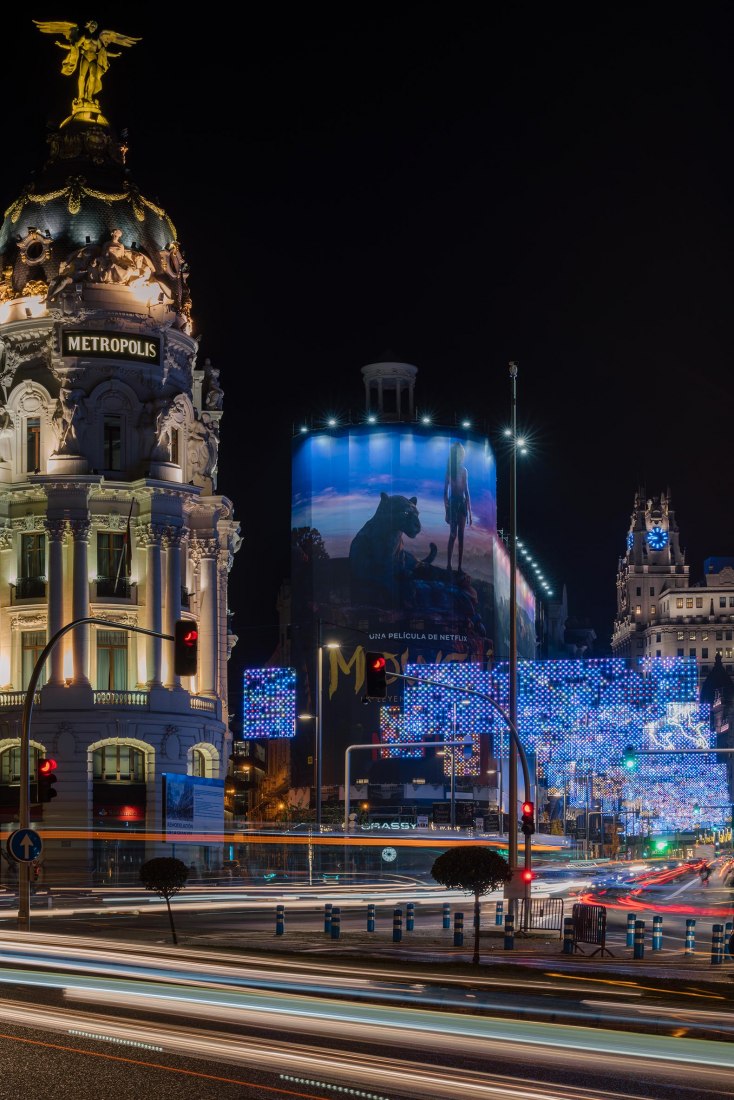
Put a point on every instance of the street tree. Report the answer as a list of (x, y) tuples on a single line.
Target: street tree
[(475, 870), (165, 876)]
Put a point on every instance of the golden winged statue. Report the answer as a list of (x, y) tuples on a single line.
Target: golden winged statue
[(86, 50)]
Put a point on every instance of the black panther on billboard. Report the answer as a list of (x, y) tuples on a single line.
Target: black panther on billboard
[(395, 549)]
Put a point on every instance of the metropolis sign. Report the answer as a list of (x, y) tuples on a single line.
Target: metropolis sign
[(111, 345)]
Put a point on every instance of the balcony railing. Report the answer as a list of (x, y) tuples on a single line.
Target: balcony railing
[(30, 588), (119, 588), (121, 698)]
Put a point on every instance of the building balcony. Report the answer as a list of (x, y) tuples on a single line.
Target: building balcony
[(28, 588), (117, 588)]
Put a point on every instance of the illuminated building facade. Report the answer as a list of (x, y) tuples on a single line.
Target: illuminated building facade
[(109, 438), (660, 613)]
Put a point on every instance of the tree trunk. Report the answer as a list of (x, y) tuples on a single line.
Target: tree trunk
[(170, 917), (475, 960)]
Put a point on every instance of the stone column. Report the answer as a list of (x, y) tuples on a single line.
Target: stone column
[(150, 536), (55, 530), (80, 532), (173, 539), (207, 552)]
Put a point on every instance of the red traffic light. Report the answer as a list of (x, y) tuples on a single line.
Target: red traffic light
[(46, 765), (376, 662), (46, 768), (528, 818), (375, 673), (528, 876), (185, 648), (527, 808)]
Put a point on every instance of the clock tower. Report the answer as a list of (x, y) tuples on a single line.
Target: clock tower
[(653, 566)]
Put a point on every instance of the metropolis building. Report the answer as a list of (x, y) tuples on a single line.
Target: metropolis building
[(109, 433)]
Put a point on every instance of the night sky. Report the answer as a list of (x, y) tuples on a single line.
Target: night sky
[(460, 189)]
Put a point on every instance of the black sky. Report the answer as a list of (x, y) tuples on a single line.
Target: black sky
[(463, 188)]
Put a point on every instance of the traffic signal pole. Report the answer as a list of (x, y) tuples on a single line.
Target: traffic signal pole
[(24, 806)]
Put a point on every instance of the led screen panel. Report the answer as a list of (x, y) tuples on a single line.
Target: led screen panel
[(269, 703)]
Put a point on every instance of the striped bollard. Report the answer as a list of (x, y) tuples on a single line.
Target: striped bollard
[(631, 918), (446, 915), (458, 929), (499, 913), (336, 923), (410, 916), (568, 935), (717, 945), (370, 917), (397, 925), (639, 944), (327, 918), (728, 930), (657, 933), (509, 932), (690, 936), (279, 920)]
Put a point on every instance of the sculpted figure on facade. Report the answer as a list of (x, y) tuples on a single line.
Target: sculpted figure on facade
[(87, 54), (7, 431), (214, 394), (68, 421)]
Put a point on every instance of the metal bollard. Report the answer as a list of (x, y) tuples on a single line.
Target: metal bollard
[(657, 933), (728, 931), (446, 915), (327, 917), (717, 945), (279, 920), (336, 923), (397, 925), (458, 929), (639, 944), (509, 932), (499, 913), (370, 917), (568, 935), (631, 918), (690, 936), (410, 916)]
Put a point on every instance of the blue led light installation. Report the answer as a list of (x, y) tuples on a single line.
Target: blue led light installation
[(269, 703)]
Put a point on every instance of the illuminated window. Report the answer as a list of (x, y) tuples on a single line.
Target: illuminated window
[(681, 635), (198, 763), (689, 601), (32, 643), (679, 601), (111, 660), (692, 636), (32, 444), (119, 764), (653, 609), (638, 609)]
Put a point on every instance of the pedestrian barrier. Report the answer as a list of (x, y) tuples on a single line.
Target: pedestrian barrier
[(336, 923), (327, 917), (509, 932), (499, 913), (690, 936), (446, 915), (717, 944), (639, 944), (410, 916), (546, 913), (458, 929), (590, 926), (728, 930), (370, 917), (657, 933), (631, 918), (568, 935), (397, 925), (279, 920)]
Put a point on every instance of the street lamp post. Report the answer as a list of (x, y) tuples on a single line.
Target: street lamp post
[(512, 784)]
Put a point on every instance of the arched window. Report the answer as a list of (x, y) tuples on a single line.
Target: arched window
[(10, 764), (119, 764), (199, 762)]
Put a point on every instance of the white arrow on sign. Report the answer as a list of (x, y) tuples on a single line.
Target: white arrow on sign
[(26, 843)]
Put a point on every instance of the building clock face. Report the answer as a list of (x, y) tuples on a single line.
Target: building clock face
[(657, 539)]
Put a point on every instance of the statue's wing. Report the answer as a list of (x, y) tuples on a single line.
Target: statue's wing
[(70, 31), (112, 38)]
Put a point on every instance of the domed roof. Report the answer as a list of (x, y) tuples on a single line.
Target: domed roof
[(74, 210)]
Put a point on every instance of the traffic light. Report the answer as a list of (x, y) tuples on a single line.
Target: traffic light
[(375, 682), (528, 818), (630, 758), (528, 876), (46, 778), (185, 648)]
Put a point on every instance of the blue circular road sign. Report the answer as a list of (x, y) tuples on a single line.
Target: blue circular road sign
[(24, 845)]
